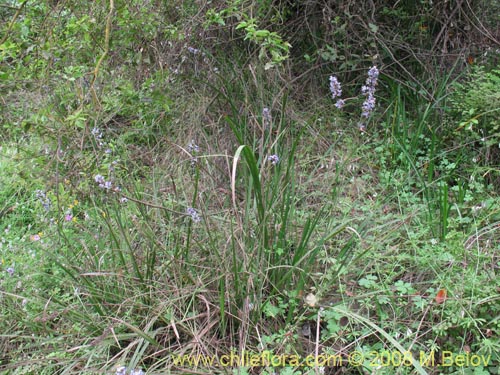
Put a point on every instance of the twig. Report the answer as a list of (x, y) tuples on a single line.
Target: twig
[(152, 205), (445, 26), (107, 32), (420, 326), (485, 31)]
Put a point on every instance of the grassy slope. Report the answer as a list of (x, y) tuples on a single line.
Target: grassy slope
[(348, 224)]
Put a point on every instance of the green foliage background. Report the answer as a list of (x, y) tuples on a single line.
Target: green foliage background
[(119, 118)]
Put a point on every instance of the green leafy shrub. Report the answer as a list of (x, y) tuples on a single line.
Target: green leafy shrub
[(475, 105)]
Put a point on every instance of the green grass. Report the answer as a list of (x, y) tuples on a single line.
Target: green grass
[(340, 246)]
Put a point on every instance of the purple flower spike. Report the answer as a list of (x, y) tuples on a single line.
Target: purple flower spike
[(335, 87), (369, 91)]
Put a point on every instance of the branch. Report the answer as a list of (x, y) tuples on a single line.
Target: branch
[(19, 10), (107, 32)]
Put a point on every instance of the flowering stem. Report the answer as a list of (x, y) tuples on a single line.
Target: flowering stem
[(190, 223)]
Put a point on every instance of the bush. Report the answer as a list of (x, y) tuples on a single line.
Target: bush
[(475, 106)]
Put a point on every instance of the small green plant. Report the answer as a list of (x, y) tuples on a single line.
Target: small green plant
[(273, 50), (272, 47)]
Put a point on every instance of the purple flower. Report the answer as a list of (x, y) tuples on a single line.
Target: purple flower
[(10, 271), (40, 194), (368, 106), (369, 91), (340, 103), (193, 148), (96, 133), (372, 76), (274, 159), (103, 184), (68, 217), (194, 214), (335, 87), (99, 179), (193, 50)]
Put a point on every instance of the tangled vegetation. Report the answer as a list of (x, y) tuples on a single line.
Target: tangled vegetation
[(249, 187)]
